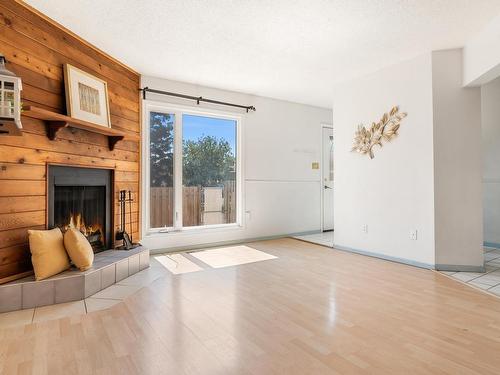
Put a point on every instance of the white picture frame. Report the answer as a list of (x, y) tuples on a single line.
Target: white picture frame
[(86, 96)]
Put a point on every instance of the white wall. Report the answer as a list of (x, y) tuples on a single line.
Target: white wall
[(482, 55), (490, 123), (428, 179), (393, 193), (280, 141), (457, 164)]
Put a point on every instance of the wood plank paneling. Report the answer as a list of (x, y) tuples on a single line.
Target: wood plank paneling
[(35, 126), (16, 236), (15, 154), (41, 142), (14, 254), (36, 49), (11, 205), (22, 220), (21, 171), (16, 188)]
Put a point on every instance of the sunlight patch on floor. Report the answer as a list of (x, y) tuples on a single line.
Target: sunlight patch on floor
[(177, 264), (231, 256)]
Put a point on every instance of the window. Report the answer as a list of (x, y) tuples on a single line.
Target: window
[(208, 170), (192, 169), (161, 169)]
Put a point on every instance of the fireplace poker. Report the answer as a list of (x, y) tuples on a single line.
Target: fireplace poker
[(130, 214), (122, 234), (122, 210)]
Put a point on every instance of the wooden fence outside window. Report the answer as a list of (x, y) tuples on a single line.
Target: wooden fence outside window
[(222, 205)]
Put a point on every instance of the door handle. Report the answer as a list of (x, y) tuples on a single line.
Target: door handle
[(328, 187)]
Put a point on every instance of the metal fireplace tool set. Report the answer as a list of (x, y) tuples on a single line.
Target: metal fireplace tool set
[(122, 234)]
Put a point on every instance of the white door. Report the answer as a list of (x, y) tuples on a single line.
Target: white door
[(327, 178)]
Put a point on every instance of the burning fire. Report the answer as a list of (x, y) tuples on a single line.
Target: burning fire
[(76, 221)]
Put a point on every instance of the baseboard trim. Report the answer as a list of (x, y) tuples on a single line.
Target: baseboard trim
[(305, 233), (226, 243), (459, 268), (492, 244), (408, 262)]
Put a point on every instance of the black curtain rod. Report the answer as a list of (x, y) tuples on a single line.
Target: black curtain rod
[(197, 98)]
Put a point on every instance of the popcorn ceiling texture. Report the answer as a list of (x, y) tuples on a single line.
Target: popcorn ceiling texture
[(292, 50)]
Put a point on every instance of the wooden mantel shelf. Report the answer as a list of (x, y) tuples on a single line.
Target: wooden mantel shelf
[(55, 121)]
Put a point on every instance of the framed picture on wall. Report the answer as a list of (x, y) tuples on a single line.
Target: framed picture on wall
[(86, 96)]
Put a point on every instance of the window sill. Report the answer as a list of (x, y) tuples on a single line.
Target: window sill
[(195, 231)]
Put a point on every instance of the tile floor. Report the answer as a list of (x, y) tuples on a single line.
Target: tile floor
[(323, 238), (102, 300), (489, 280)]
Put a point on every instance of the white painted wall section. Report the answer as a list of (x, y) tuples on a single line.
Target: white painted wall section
[(393, 193), (426, 180), (457, 164), (490, 124), (280, 142), (482, 55)]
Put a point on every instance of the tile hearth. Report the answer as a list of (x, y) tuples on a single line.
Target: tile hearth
[(109, 267), (107, 298)]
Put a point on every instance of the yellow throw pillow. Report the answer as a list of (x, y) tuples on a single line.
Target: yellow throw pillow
[(79, 249), (47, 252)]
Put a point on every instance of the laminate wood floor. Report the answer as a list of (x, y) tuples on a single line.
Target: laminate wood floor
[(313, 310)]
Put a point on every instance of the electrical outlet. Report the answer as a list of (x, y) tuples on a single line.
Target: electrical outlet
[(365, 228), (413, 235)]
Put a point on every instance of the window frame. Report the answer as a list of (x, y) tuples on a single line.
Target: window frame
[(179, 110)]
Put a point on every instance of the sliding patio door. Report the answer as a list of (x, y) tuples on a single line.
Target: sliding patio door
[(193, 176)]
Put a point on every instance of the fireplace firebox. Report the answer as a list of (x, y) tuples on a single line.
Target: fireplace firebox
[(81, 198)]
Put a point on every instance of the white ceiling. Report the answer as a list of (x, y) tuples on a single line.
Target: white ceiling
[(287, 49)]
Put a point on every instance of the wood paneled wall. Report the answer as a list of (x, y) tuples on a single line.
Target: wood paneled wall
[(36, 49)]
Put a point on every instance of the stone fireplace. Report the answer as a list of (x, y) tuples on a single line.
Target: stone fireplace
[(81, 198)]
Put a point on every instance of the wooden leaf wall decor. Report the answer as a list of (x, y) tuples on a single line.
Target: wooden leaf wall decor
[(384, 130)]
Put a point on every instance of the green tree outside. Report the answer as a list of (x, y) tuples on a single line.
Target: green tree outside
[(161, 149), (208, 161)]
